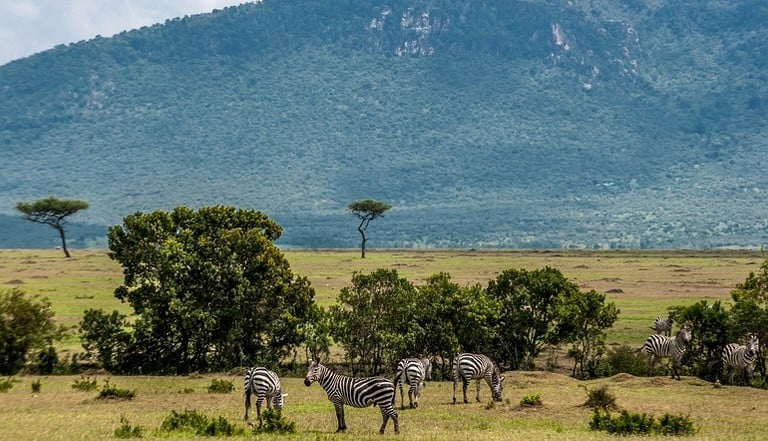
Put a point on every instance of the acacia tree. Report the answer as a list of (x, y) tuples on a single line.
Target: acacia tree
[(209, 289), (54, 212), (367, 210)]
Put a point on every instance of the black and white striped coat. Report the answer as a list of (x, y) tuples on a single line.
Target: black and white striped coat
[(356, 392), (663, 325), (741, 357), (412, 371), (476, 367), (660, 346), (265, 384)]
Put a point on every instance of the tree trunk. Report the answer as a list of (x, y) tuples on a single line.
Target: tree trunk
[(63, 240), (362, 243)]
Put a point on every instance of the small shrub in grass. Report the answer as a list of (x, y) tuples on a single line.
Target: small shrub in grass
[(600, 398), (199, 424), (629, 423), (36, 386), (531, 400), (220, 386), (85, 384), (272, 421), (127, 431), (109, 391), (6, 384)]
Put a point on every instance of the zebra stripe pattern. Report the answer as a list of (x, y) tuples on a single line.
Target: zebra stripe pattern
[(476, 367), (741, 357), (265, 384), (663, 325), (660, 346), (412, 371), (356, 392)]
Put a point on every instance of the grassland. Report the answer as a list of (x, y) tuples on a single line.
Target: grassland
[(642, 284)]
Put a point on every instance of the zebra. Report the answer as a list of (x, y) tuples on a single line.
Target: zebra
[(663, 325), (265, 384), (356, 392), (477, 366), (412, 371), (741, 357), (660, 346)]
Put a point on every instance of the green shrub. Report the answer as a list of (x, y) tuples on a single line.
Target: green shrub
[(85, 384), (127, 431), (109, 391), (36, 386), (199, 424), (220, 386), (639, 423), (600, 398), (622, 359), (272, 421), (531, 400), (6, 385)]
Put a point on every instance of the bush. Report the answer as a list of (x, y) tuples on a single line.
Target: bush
[(109, 391), (36, 386), (622, 359), (6, 385), (639, 423), (220, 386), (272, 421), (85, 384), (600, 398), (531, 400), (127, 431), (199, 424)]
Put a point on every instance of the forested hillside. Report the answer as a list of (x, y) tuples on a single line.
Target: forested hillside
[(495, 123)]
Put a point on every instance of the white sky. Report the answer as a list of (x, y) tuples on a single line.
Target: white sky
[(31, 26)]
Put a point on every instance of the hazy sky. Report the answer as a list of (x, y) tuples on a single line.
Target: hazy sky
[(31, 26)]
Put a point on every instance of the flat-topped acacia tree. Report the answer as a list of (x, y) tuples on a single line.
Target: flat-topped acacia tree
[(367, 210), (53, 212)]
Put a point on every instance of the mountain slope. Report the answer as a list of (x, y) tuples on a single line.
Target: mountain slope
[(484, 123)]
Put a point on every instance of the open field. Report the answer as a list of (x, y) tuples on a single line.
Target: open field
[(642, 284)]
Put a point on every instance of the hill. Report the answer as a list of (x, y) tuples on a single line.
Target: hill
[(518, 124)]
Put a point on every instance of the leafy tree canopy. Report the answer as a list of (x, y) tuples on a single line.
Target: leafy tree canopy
[(52, 211)]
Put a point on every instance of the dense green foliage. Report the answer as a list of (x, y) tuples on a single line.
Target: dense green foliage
[(209, 289), (502, 123), (53, 212), (27, 328), (630, 423)]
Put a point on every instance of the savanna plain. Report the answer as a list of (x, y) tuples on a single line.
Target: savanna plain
[(643, 284)]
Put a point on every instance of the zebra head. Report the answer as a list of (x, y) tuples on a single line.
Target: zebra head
[(497, 381), (684, 334), (753, 344), (314, 373), (278, 400)]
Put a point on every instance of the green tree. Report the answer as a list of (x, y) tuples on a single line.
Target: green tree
[(529, 312), (583, 318), (710, 331), (749, 314), (372, 320), (54, 212), (367, 210), (26, 327), (209, 289)]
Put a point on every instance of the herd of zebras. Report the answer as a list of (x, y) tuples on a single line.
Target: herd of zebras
[(377, 391), (380, 391), (662, 345)]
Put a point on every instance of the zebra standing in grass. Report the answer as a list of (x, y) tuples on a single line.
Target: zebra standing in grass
[(476, 367), (741, 357), (412, 371), (663, 325), (660, 346), (264, 384), (357, 392)]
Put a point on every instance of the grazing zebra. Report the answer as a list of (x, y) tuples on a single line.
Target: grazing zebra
[(265, 384), (357, 392), (660, 346), (663, 325), (741, 357), (412, 371), (476, 367)]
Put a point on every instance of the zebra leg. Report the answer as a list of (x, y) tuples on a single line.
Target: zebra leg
[(259, 400), (477, 390), (247, 403), (388, 412), (464, 385), (676, 369), (454, 389), (651, 361), (402, 399), (340, 417), (411, 393)]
